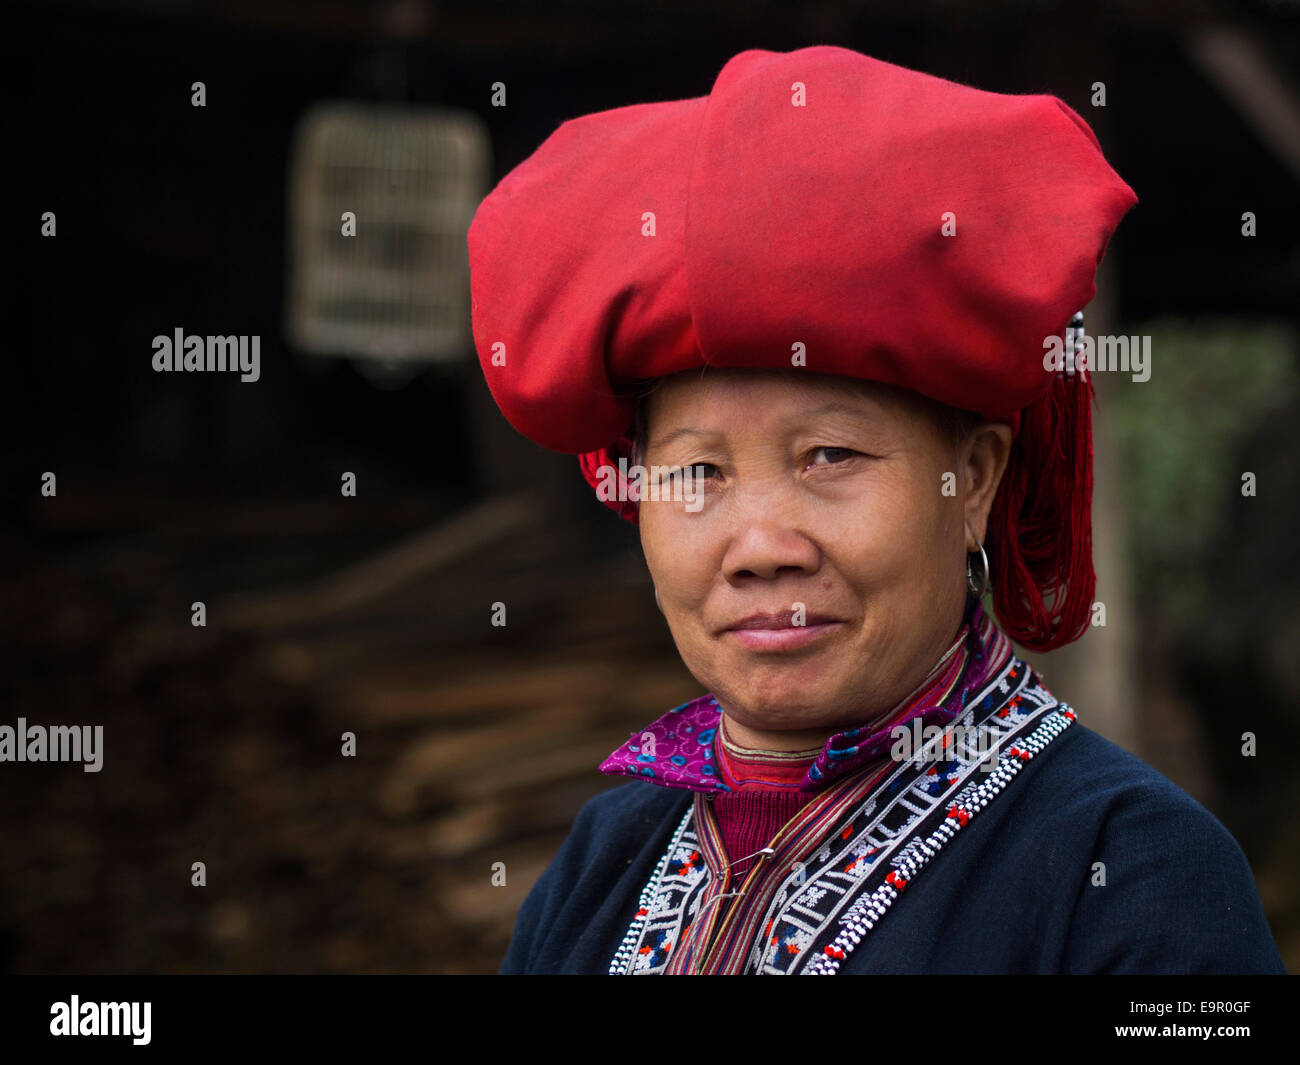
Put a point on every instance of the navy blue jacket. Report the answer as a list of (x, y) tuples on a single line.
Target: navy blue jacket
[(1013, 892)]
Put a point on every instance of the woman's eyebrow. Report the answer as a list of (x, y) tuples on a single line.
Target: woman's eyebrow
[(685, 430)]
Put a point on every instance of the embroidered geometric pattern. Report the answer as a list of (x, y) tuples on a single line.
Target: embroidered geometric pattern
[(659, 912), (827, 903), (863, 915)]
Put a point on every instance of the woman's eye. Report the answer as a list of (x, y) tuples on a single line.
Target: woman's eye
[(834, 455), (698, 470)]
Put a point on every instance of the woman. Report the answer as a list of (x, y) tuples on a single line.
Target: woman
[(796, 331)]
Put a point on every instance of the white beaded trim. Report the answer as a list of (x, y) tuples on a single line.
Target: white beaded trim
[(626, 953), (862, 916)]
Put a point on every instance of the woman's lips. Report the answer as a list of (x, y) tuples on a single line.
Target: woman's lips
[(776, 632), (786, 638)]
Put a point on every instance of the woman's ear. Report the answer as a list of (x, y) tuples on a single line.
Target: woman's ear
[(984, 459)]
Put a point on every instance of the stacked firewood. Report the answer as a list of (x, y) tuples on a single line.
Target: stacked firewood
[(475, 743)]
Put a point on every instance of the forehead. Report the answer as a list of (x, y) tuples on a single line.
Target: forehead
[(735, 395)]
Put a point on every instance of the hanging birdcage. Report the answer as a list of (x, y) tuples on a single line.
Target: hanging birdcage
[(380, 200)]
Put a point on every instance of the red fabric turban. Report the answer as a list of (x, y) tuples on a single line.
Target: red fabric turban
[(902, 228)]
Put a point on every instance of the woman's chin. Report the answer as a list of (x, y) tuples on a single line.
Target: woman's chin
[(781, 706)]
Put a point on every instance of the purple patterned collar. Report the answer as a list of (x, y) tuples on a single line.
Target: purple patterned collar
[(677, 750)]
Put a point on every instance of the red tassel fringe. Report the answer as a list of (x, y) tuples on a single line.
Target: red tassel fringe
[(1039, 539)]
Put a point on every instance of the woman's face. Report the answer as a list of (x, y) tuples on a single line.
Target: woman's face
[(837, 498)]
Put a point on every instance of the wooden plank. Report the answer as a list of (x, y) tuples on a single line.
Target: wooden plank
[(358, 584)]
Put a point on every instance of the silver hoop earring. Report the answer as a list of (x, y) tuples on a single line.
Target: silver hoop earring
[(980, 589), (657, 603)]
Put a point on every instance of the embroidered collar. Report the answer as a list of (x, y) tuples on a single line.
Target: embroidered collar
[(677, 749), (749, 769)]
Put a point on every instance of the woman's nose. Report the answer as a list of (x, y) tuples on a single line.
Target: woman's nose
[(766, 545)]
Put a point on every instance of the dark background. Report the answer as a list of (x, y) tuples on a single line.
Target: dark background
[(478, 744)]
